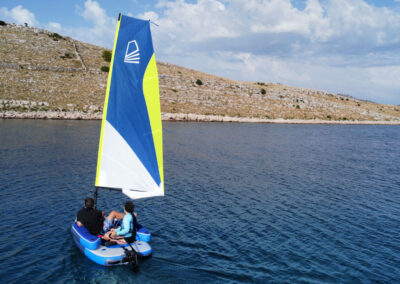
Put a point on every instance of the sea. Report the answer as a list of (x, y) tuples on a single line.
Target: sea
[(244, 203)]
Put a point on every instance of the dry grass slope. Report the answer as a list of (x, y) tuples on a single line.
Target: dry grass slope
[(44, 72)]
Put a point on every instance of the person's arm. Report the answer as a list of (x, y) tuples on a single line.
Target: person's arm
[(79, 219), (100, 215), (126, 222)]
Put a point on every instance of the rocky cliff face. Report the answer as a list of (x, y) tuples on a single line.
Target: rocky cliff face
[(43, 72)]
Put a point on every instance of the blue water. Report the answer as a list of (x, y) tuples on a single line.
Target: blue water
[(244, 203)]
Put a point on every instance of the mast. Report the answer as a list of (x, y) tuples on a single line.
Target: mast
[(96, 193), (95, 198)]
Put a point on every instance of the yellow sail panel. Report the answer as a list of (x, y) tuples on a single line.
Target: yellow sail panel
[(151, 94)]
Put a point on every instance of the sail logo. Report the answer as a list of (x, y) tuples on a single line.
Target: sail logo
[(132, 54)]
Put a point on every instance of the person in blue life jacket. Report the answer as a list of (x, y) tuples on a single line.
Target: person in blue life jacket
[(128, 226)]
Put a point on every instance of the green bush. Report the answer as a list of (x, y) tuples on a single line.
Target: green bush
[(55, 36), (105, 68), (2, 23), (298, 106), (328, 117), (106, 55), (263, 91), (199, 82), (67, 55)]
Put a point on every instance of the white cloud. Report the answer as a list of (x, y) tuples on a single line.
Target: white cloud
[(54, 26), (18, 15), (332, 45), (387, 76), (103, 27), (196, 22), (152, 16), (339, 19)]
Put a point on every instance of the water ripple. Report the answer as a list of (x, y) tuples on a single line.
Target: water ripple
[(244, 204)]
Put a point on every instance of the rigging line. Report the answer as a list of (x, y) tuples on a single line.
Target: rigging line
[(136, 190), (151, 22)]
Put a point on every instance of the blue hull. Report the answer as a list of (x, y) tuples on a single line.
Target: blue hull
[(91, 246)]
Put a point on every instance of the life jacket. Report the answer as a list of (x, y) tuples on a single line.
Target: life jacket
[(132, 230)]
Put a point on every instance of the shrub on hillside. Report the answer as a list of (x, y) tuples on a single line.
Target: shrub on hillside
[(66, 55), (263, 91), (55, 36), (199, 82), (2, 23), (105, 68), (106, 55)]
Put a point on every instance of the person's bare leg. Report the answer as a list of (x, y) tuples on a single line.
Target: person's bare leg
[(115, 215), (121, 242), (108, 223)]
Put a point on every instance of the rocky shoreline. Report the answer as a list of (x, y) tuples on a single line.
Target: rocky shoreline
[(78, 115)]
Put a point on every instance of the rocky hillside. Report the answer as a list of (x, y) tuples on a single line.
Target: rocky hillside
[(42, 71)]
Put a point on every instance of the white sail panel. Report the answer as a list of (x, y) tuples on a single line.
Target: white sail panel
[(122, 168)]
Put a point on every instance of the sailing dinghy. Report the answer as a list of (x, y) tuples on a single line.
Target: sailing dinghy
[(130, 158)]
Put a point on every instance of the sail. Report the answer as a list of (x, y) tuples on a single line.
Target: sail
[(130, 149)]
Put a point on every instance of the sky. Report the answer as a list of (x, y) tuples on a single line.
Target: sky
[(347, 47)]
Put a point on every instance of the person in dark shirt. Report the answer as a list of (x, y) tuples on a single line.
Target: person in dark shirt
[(91, 218)]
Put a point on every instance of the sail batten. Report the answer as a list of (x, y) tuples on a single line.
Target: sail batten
[(130, 148)]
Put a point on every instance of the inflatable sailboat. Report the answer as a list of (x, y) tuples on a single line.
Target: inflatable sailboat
[(130, 157)]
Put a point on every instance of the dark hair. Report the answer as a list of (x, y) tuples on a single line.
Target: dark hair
[(129, 207), (89, 202)]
